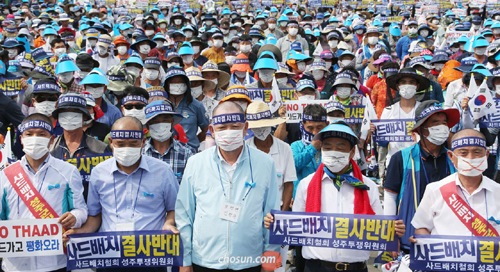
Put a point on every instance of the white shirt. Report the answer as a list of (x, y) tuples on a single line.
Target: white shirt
[(282, 155), (228, 167), (107, 62), (455, 92), (435, 215), (395, 112), (335, 201)]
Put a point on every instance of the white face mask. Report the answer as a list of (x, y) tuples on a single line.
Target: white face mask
[(238, 24), (134, 71), (472, 167), (36, 147), (82, 74), (236, 45), (333, 44), (208, 23), (102, 50), (359, 31), (272, 26), (178, 21), (497, 89), (480, 51), (230, 60), (240, 74), (335, 161), (343, 92), (261, 133), (372, 40), (139, 114), (122, 50), (488, 39), (283, 24), (95, 92), (435, 22), (70, 120), (301, 66), (328, 64), (144, 49), (163, 26), (188, 34), (476, 27), (229, 139), (215, 81), (177, 88), (12, 53), (293, 31), (344, 14), (266, 75), (92, 42), (187, 59), (454, 49), (282, 81), (224, 31), (150, 32), (407, 91), (196, 49), (462, 47), (159, 44), (218, 43), (151, 74), (65, 77), (58, 52), (413, 30), (318, 74), (438, 134), (46, 107), (245, 48), (307, 97), (439, 66), (424, 33), (255, 41), (496, 31), (345, 63), (71, 44), (161, 131), (126, 156), (196, 91)]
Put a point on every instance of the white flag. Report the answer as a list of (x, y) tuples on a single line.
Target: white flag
[(481, 103), (6, 151), (275, 102), (369, 115)]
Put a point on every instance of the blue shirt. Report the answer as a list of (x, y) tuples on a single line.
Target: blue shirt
[(305, 161), (143, 197), (111, 113), (194, 117)]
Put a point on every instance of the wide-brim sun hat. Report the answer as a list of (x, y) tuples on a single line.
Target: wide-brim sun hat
[(427, 108), (266, 61), (236, 92), (223, 77), (466, 64), (140, 39), (66, 64), (419, 61), (392, 81), (96, 76), (160, 107), (259, 115), (272, 48), (194, 74), (440, 56), (338, 129), (299, 57), (241, 64), (318, 64)]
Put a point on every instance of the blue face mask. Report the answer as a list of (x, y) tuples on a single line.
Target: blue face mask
[(306, 135)]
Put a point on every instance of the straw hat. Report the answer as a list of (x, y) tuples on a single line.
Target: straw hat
[(194, 74), (259, 115), (210, 66)]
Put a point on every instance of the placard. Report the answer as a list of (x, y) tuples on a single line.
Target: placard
[(492, 120), (393, 130), (257, 94), (295, 108), (87, 163), (454, 35), (11, 86)]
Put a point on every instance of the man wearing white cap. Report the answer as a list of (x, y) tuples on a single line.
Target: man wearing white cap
[(103, 56)]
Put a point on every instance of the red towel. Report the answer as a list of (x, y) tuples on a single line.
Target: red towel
[(361, 199)]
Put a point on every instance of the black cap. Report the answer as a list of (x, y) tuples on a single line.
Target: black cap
[(85, 62)]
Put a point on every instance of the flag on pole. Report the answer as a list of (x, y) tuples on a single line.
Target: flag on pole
[(370, 114), (6, 151), (275, 102), (481, 103)]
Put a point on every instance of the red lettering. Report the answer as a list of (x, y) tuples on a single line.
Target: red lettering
[(36, 231), (54, 229), (26, 230), (45, 230), (303, 106), (4, 232), (289, 107), (17, 230), (295, 107)]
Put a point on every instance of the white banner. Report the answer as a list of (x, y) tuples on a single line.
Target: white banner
[(32, 237), (454, 35), (295, 108)]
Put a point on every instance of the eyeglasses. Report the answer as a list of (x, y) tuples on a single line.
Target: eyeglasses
[(132, 106), (41, 98)]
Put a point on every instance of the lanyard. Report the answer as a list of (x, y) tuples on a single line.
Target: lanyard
[(135, 204), (425, 171), (251, 175), (470, 208)]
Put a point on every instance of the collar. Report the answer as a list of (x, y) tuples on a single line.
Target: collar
[(274, 147), (425, 155), (25, 163), (484, 185), (241, 157), (143, 165), (149, 146)]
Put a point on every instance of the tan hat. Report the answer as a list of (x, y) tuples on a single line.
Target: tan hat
[(259, 115), (194, 74), (211, 66), (104, 41)]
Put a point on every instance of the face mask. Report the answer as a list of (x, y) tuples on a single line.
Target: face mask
[(345, 63), (208, 23), (266, 75), (480, 51), (328, 64), (161, 131), (188, 59), (215, 81), (386, 28), (272, 26), (71, 44), (359, 31), (151, 74), (126, 156), (259, 23), (413, 30), (210, 43), (196, 49), (144, 49), (424, 33), (218, 43), (344, 14), (261, 133), (92, 43), (407, 91), (163, 26), (177, 88), (335, 161), (282, 81), (95, 92), (139, 114), (454, 49), (65, 77), (307, 97), (318, 74), (245, 48), (435, 22), (134, 71), (238, 24), (45, 107), (35, 147), (224, 31), (301, 66), (230, 60), (496, 31), (438, 134), (196, 91), (462, 47), (233, 32), (70, 120), (82, 74), (255, 41), (476, 27), (439, 66), (333, 119), (189, 16), (58, 52), (343, 92), (240, 74), (102, 50), (229, 139), (293, 31), (283, 24), (178, 21), (373, 40), (12, 53), (333, 44), (122, 50), (159, 44), (88, 122), (488, 39), (497, 88), (472, 167), (150, 32)]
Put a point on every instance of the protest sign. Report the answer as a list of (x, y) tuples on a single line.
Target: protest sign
[(32, 237), (396, 19), (455, 253), (322, 3), (295, 108), (492, 120), (402, 3), (151, 248), (393, 130), (272, 2), (11, 86), (265, 94), (105, 2), (87, 163), (454, 35), (343, 231), (460, 12)]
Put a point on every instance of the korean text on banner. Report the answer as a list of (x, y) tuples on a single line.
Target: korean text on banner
[(455, 253), (33, 237), (257, 94), (492, 120), (346, 231), (393, 130), (151, 248), (295, 108), (11, 86), (87, 163), (454, 35)]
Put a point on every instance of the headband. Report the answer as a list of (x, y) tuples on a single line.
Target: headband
[(127, 134), (116, 78), (137, 98), (158, 93), (34, 124), (292, 24), (339, 134), (228, 118), (390, 70), (307, 117), (160, 108), (242, 91), (241, 61), (258, 116), (77, 99), (46, 86), (468, 141)]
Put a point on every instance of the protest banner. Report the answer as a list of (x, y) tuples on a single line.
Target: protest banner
[(492, 120), (295, 108), (455, 253), (151, 248), (272, 2), (11, 86), (393, 130), (402, 3), (105, 2), (87, 163), (384, 257), (460, 12), (265, 94), (454, 35), (396, 19), (343, 231), (322, 3), (31, 237)]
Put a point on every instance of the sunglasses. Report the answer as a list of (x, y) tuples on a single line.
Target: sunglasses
[(132, 106), (41, 98)]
